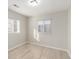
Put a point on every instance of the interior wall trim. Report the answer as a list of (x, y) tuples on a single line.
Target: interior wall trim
[(65, 50), (61, 49), (69, 53), (17, 46)]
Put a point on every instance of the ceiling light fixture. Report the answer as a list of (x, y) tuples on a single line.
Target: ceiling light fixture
[(15, 5), (34, 2)]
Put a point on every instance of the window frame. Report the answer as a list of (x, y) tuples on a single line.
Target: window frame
[(12, 26)]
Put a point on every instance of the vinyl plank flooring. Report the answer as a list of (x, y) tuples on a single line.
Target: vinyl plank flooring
[(36, 52)]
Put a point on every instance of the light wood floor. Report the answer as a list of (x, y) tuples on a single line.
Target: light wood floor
[(36, 52)]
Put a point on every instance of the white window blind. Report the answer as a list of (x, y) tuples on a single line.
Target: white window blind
[(44, 26), (13, 26)]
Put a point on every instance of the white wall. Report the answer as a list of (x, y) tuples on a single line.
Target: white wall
[(69, 30), (58, 36), (18, 38)]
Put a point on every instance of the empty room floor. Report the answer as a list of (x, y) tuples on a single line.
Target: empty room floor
[(29, 51)]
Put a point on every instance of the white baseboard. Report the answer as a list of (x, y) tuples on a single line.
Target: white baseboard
[(48, 46), (69, 54), (60, 49), (17, 46), (65, 50)]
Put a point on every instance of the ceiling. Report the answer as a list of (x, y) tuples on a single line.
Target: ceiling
[(45, 6)]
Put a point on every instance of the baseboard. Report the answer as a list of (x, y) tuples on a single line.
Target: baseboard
[(17, 46), (60, 49), (69, 54), (48, 46)]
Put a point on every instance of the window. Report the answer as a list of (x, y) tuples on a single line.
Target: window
[(13, 26), (44, 26)]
